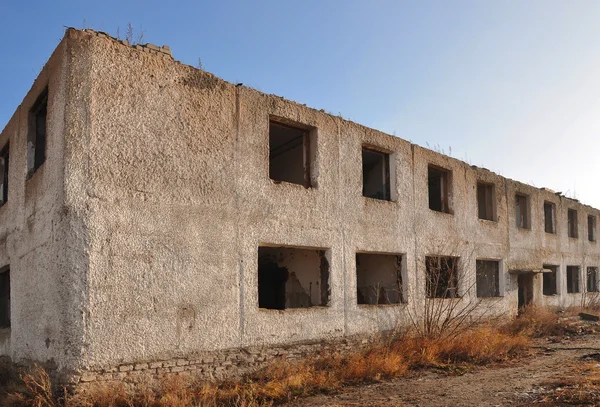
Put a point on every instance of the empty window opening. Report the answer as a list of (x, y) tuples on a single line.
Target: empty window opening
[(488, 278), (292, 278), (379, 278), (573, 279), (289, 154), (4, 175), (522, 211), (442, 277), (439, 182), (572, 223), (591, 228), (5, 298), (592, 279), (376, 174), (486, 202), (549, 280), (36, 138), (549, 217)]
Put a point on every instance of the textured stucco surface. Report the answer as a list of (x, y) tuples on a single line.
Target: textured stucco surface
[(138, 238)]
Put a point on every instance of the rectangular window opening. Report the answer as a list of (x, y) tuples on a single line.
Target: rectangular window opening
[(376, 174), (592, 279), (379, 279), (4, 175), (488, 278), (591, 228), (486, 202), (36, 138), (549, 217), (439, 183), (522, 211), (442, 277), (289, 154), (549, 280), (572, 223), (5, 298), (573, 279), (292, 278)]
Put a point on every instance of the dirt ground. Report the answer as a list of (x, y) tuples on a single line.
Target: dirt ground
[(513, 383)]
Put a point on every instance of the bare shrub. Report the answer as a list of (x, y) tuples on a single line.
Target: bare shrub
[(451, 304), (37, 392), (590, 301)]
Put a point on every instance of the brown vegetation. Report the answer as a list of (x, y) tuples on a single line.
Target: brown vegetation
[(580, 388), (391, 357)]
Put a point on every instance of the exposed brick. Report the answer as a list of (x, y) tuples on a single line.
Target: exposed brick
[(125, 368)]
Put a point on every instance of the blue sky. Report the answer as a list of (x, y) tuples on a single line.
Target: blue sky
[(513, 86)]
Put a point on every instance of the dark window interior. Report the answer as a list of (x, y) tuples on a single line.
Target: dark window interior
[(376, 174), (522, 211), (592, 279), (591, 228), (36, 143), (379, 278), (292, 278), (439, 184), (4, 175), (549, 217), (572, 223), (549, 280), (5, 298), (488, 278), (289, 154), (573, 279), (442, 277), (485, 201)]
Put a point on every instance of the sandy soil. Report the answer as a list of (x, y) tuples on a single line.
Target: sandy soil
[(512, 383)]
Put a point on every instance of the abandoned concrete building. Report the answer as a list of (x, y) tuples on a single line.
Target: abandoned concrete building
[(156, 218)]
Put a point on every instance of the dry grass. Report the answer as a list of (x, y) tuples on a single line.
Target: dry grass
[(580, 388), (283, 381), (537, 322), (391, 357)]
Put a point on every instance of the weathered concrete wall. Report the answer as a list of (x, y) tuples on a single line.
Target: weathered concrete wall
[(164, 198), (178, 199), (47, 292)]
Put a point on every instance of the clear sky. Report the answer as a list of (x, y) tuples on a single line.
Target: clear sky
[(513, 86)]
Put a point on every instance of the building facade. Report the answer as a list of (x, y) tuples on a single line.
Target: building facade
[(152, 212)]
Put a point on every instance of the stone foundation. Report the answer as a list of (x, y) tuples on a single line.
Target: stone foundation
[(223, 364)]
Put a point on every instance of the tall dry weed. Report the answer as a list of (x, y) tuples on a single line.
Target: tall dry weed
[(283, 380)]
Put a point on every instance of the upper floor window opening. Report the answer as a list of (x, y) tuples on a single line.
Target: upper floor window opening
[(522, 211), (486, 201), (591, 228), (4, 165), (36, 137), (549, 217), (572, 223), (376, 174), (289, 153), (439, 182)]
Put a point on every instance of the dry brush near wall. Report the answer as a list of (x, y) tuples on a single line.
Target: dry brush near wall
[(232, 363)]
